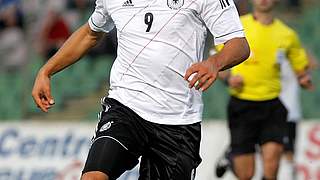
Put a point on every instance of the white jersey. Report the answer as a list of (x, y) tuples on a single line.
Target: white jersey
[(290, 92), (158, 40)]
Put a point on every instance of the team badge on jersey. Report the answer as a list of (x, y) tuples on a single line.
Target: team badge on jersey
[(175, 4), (106, 126)]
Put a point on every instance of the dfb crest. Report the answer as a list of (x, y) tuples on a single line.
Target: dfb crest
[(175, 4)]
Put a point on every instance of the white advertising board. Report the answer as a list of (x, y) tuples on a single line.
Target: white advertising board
[(57, 151), (45, 151)]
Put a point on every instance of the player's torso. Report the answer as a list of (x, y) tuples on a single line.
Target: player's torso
[(268, 44), (157, 37), (261, 71), (143, 21), (157, 41)]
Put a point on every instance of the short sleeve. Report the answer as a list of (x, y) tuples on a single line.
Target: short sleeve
[(296, 54), (100, 20), (222, 19)]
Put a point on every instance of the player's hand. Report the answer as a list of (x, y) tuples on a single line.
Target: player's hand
[(235, 82), (201, 75), (41, 92), (305, 81)]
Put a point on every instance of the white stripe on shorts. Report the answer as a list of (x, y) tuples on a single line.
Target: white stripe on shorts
[(112, 139)]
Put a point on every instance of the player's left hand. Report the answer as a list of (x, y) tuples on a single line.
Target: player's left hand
[(305, 81), (201, 75)]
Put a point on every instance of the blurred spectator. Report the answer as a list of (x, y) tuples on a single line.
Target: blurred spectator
[(6, 3), (9, 4), (243, 6), (53, 33), (78, 12), (295, 3), (13, 49)]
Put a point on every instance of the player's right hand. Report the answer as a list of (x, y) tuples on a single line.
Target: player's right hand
[(235, 82), (41, 92)]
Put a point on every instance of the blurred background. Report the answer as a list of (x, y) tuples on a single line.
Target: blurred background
[(32, 30)]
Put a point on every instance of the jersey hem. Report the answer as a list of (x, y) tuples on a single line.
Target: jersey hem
[(170, 121), (164, 121)]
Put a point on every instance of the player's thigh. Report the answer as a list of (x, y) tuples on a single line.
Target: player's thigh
[(94, 175), (173, 152), (274, 127), (118, 141), (243, 125), (109, 157), (157, 168)]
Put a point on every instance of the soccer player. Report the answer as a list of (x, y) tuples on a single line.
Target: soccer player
[(290, 96), (154, 107), (255, 114)]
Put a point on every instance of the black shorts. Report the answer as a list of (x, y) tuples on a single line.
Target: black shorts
[(290, 137), (167, 151), (255, 122)]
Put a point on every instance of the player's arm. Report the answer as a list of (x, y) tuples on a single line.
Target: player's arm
[(234, 52), (305, 79), (233, 81), (73, 49), (224, 24), (299, 62)]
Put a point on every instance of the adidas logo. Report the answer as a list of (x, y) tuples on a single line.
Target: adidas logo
[(127, 3)]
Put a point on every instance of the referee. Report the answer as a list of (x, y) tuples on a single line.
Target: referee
[(256, 116), (154, 108)]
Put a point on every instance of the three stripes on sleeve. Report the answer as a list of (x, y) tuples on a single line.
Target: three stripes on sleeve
[(224, 3)]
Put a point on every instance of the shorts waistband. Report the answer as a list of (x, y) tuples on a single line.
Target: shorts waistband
[(233, 98)]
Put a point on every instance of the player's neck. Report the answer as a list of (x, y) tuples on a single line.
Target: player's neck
[(265, 18)]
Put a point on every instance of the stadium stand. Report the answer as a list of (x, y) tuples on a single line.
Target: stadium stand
[(75, 82)]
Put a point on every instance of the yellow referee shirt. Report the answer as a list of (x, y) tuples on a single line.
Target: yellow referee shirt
[(269, 45)]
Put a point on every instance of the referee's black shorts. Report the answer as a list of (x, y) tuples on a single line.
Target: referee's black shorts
[(169, 152), (255, 122)]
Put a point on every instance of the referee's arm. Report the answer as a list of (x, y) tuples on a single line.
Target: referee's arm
[(299, 62), (72, 50)]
